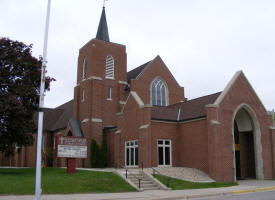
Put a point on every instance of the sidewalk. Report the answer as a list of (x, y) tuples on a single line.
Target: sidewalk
[(243, 187)]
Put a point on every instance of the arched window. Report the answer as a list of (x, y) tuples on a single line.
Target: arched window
[(109, 67), (84, 69), (158, 93)]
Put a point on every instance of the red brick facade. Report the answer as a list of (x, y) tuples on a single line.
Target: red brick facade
[(197, 133), (205, 143)]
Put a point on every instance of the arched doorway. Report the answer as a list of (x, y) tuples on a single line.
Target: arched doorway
[(247, 144)]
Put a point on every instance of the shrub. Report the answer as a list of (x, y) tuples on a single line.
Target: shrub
[(99, 158)]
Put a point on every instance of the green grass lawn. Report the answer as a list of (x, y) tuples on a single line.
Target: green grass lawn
[(57, 181), (177, 184)]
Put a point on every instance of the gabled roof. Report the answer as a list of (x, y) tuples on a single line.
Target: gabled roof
[(133, 74), (64, 118), (56, 118), (102, 31), (188, 110), (230, 85), (137, 72)]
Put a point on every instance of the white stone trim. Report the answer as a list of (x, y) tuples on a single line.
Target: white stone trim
[(118, 131), (94, 78), (85, 120), (215, 122), (136, 98), (145, 68), (122, 102), (272, 127), (212, 106), (97, 120), (123, 82), (144, 126), (227, 88), (120, 113), (257, 141), (230, 84), (147, 106)]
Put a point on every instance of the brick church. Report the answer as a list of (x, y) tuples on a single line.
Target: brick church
[(148, 121)]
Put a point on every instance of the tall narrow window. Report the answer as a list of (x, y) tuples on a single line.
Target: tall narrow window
[(131, 153), (83, 95), (164, 152), (158, 93), (109, 94), (109, 67), (84, 68)]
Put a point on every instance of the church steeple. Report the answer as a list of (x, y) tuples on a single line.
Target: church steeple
[(102, 31)]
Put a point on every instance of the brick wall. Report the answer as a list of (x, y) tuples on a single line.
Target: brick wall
[(194, 145), (157, 69), (221, 153)]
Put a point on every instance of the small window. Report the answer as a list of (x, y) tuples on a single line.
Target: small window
[(109, 94), (83, 95), (109, 67), (84, 68)]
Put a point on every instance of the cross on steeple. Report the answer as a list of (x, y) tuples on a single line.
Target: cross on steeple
[(104, 2)]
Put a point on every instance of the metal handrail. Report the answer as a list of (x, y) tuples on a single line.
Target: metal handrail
[(155, 170), (127, 170)]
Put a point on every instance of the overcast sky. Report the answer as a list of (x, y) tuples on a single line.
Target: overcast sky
[(203, 42)]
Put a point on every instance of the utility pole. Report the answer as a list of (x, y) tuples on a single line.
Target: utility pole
[(38, 189)]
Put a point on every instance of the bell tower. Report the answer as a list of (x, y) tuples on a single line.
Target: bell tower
[(101, 79)]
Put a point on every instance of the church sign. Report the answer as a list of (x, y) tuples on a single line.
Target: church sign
[(71, 147)]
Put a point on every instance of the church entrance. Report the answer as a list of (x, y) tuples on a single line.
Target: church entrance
[(244, 146)]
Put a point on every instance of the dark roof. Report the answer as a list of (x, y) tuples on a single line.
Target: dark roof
[(56, 118), (133, 74), (102, 31), (192, 109)]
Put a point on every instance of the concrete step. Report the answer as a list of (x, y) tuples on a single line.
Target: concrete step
[(142, 182), (145, 183)]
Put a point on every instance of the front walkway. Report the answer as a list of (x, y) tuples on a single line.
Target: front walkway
[(244, 187)]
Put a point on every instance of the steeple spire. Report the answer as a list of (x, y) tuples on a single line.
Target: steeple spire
[(102, 31)]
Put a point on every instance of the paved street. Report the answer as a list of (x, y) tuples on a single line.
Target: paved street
[(267, 195)]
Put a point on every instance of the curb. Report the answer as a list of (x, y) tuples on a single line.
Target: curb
[(253, 190), (192, 196)]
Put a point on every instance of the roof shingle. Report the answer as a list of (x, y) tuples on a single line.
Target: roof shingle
[(191, 109), (133, 74), (56, 118)]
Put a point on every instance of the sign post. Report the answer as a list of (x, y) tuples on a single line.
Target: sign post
[(71, 147)]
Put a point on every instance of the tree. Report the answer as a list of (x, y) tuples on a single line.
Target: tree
[(99, 155), (19, 94), (95, 154), (104, 153)]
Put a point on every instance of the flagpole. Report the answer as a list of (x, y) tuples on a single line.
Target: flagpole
[(38, 189)]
